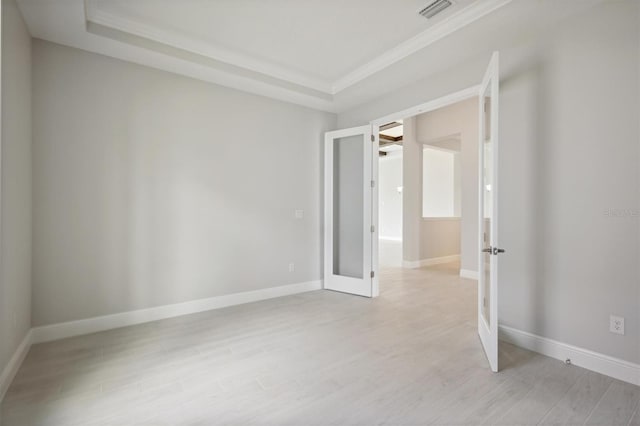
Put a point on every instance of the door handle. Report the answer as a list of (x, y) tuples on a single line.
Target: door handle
[(493, 250)]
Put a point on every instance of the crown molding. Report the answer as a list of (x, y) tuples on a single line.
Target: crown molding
[(176, 40), (440, 30), (83, 25), (188, 44)]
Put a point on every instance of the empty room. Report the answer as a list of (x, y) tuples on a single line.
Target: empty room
[(320, 212)]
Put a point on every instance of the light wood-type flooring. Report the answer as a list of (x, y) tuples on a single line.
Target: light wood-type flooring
[(409, 357)]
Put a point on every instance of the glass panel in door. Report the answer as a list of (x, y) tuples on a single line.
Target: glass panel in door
[(348, 214), (348, 258)]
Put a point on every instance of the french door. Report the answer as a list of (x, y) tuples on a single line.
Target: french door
[(350, 249), (488, 213), (348, 227)]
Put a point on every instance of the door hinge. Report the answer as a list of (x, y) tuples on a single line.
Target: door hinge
[(373, 138), (373, 274), (373, 183), (373, 228)]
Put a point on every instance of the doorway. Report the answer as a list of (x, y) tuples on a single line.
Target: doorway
[(427, 177), (390, 194), (365, 169)]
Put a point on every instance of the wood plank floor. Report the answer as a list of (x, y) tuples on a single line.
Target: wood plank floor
[(409, 357)]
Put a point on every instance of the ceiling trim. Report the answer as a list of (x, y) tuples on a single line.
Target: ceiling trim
[(82, 25), (453, 23), (452, 98), (174, 39)]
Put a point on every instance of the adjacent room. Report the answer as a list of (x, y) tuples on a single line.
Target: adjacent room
[(320, 213), (390, 194), (438, 159)]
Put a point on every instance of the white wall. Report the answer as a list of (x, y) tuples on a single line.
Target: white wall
[(440, 177), (411, 192), (439, 237), (459, 119), (390, 200), (15, 201), (569, 152), (152, 188), (430, 238)]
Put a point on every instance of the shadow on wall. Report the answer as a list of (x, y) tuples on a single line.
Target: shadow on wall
[(523, 89)]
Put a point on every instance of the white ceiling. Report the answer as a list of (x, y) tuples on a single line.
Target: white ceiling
[(322, 40), (324, 54), (393, 132)]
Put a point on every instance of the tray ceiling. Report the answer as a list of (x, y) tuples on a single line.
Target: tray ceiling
[(308, 52)]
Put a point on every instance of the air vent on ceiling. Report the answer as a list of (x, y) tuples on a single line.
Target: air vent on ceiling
[(434, 8)]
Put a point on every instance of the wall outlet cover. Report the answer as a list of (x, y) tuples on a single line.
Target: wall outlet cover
[(616, 324)]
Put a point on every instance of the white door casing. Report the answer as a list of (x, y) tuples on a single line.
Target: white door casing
[(488, 212), (348, 227)]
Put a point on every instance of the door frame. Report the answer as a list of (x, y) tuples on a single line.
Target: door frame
[(437, 103), (357, 286), (488, 332)]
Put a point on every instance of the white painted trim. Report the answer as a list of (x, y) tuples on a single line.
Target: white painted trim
[(14, 364), (469, 274), (413, 264), (361, 286), (174, 39), (440, 30), (189, 44), (51, 332), (375, 219), (443, 101), (488, 330), (69, 25), (395, 239), (594, 361), (410, 264)]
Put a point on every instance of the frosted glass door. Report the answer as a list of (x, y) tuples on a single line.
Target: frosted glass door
[(488, 214), (348, 211)]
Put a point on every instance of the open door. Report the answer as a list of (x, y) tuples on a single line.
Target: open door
[(488, 214), (348, 227)]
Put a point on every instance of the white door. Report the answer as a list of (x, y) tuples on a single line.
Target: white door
[(348, 226), (488, 214)]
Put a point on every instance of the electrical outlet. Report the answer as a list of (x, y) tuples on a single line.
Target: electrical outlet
[(299, 214), (292, 267), (616, 324)]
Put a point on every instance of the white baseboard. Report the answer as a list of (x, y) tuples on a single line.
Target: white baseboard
[(412, 264), (51, 332), (594, 361), (467, 273), (12, 367), (394, 239)]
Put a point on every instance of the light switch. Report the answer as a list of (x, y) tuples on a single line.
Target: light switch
[(299, 214)]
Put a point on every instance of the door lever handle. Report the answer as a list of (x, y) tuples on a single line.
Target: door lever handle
[(493, 250)]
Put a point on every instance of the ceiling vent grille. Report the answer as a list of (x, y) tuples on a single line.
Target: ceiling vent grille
[(434, 8)]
